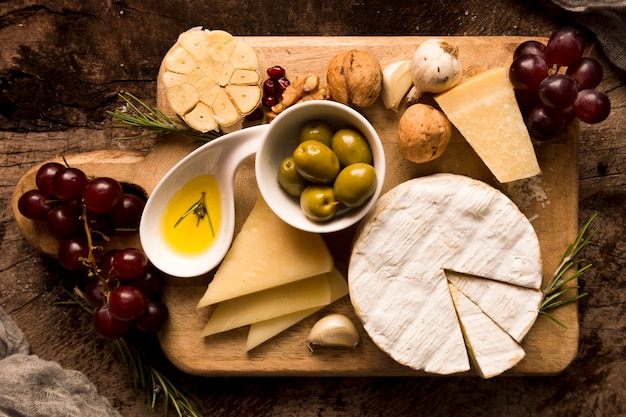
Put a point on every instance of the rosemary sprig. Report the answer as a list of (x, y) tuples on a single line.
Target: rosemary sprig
[(137, 114), (557, 293), (200, 210), (141, 373)]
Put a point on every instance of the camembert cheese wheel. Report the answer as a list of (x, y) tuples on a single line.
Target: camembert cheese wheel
[(426, 235)]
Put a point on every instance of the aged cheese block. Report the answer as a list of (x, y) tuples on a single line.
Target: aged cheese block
[(268, 304), (267, 253), (402, 251), (491, 349), (484, 109), (264, 330)]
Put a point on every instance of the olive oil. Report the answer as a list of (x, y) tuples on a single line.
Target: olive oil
[(190, 223)]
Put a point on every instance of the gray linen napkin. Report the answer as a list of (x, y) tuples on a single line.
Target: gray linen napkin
[(33, 387), (607, 20)]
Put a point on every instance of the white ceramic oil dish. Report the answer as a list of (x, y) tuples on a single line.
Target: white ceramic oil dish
[(221, 159), (282, 139)]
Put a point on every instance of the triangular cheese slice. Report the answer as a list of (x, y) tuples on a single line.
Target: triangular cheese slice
[(512, 307), (264, 330), (268, 304), (491, 349), (484, 109), (267, 253)]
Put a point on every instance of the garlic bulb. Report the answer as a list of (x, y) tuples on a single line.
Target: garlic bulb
[(436, 68), (333, 330)]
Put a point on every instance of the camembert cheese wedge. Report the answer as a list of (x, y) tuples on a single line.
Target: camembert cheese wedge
[(403, 250), (267, 253), (484, 109)]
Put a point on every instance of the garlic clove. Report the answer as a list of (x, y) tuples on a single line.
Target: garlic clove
[(397, 81), (333, 330)]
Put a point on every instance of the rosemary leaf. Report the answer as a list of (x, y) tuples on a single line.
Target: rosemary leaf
[(569, 269), (137, 114)]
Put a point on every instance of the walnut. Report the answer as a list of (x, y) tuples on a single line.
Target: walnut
[(355, 78), (304, 87), (423, 133)]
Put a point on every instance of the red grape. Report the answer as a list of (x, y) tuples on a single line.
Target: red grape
[(558, 91), (127, 302), (44, 175), (64, 221), (592, 106), (71, 251), (151, 282), (543, 122), (34, 205), (153, 319), (587, 72), (530, 47), (127, 212), (108, 326), (100, 225), (527, 72), (565, 46), (101, 194), (130, 263), (94, 292), (106, 264), (68, 183)]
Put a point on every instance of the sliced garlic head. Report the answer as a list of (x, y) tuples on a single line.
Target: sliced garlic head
[(211, 79)]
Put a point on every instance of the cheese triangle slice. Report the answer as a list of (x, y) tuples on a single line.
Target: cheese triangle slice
[(267, 253), (484, 109), (491, 349), (268, 304), (512, 307), (264, 330)]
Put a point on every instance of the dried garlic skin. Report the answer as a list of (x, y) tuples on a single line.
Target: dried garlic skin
[(354, 78)]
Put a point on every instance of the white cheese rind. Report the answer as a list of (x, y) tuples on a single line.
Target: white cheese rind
[(512, 307), (423, 227), (492, 350)]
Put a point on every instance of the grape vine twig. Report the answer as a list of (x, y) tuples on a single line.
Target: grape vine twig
[(557, 293)]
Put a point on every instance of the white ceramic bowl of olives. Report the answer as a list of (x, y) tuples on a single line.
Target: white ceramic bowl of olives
[(320, 166)]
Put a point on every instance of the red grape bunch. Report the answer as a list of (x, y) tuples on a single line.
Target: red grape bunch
[(551, 98), (80, 212)]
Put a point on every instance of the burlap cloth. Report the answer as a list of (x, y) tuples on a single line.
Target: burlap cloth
[(607, 20), (33, 387)]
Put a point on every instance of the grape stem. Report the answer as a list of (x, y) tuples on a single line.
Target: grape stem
[(90, 260)]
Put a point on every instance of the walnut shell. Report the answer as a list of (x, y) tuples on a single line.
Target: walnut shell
[(423, 133), (354, 78)]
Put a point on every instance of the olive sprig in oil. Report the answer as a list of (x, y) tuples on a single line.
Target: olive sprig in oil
[(200, 210)]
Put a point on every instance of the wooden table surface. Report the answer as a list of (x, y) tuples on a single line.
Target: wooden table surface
[(61, 65)]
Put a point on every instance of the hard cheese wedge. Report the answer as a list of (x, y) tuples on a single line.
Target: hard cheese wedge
[(484, 109), (268, 304), (264, 330), (414, 234), (267, 253), (492, 350)]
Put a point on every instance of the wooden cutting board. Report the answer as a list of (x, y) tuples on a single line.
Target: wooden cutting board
[(549, 347)]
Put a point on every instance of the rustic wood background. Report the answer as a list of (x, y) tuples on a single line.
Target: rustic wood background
[(61, 66)]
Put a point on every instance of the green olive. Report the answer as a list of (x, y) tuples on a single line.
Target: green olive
[(318, 202), (351, 147), (316, 162), (355, 184), (289, 178), (318, 130)]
